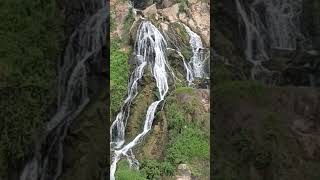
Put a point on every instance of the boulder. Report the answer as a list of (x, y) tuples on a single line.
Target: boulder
[(150, 10), (183, 172)]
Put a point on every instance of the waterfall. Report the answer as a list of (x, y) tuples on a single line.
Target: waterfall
[(195, 68), (255, 43), (197, 60), (276, 27), (188, 69), (150, 48), (283, 23), (84, 46)]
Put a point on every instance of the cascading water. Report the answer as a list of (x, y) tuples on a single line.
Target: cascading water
[(186, 65), (84, 46), (283, 22), (277, 27), (195, 67), (188, 68), (255, 43), (197, 60), (150, 48)]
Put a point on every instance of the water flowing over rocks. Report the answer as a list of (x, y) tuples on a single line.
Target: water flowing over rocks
[(277, 43), (79, 74), (167, 53)]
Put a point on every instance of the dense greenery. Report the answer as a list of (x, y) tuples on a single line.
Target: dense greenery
[(188, 142), (30, 38), (124, 172), (118, 75)]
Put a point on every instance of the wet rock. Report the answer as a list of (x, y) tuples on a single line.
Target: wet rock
[(133, 29), (154, 145), (139, 108)]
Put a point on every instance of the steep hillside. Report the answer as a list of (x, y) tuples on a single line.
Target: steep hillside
[(175, 143)]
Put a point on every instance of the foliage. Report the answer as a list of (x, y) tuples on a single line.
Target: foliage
[(190, 143), (30, 39), (125, 173), (183, 5), (118, 76), (187, 90), (153, 169)]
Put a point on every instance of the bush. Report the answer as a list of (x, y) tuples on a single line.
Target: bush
[(153, 169), (190, 143), (125, 173)]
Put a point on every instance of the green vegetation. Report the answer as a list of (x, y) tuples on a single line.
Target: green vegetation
[(125, 173), (118, 75), (30, 37), (183, 5), (187, 90), (152, 169), (191, 142), (188, 142)]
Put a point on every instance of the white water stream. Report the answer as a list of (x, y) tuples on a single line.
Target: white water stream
[(150, 49), (277, 27), (85, 44), (197, 60)]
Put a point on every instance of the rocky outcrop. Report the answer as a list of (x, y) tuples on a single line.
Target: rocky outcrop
[(195, 15), (154, 146), (119, 12), (139, 108)]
